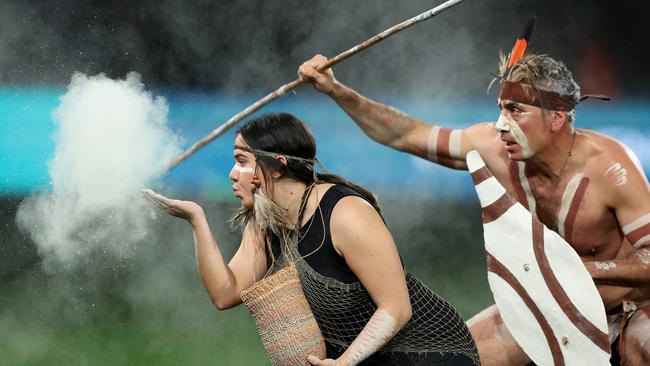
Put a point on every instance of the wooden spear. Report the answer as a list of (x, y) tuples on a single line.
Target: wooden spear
[(284, 89)]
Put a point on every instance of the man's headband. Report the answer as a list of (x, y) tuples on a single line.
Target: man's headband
[(526, 93)]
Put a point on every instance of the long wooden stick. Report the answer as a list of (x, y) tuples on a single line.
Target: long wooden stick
[(284, 89)]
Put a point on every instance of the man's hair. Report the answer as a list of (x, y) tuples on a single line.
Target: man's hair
[(543, 73)]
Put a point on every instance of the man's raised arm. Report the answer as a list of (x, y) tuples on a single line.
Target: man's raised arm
[(387, 125)]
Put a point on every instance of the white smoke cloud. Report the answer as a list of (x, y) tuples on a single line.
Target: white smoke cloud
[(112, 139)]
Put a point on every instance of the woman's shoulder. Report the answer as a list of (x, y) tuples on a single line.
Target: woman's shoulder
[(339, 200), (335, 191)]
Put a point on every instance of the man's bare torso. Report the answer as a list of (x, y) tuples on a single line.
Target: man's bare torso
[(575, 205)]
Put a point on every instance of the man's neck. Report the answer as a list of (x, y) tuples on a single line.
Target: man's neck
[(551, 162)]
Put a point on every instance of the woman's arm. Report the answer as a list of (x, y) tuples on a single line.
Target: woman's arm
[(361, 238), (223, 281)]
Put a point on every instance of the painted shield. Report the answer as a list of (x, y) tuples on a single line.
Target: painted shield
[(544, 293)]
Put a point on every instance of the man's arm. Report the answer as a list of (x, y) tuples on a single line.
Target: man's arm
[(393, 128), (629, 195)]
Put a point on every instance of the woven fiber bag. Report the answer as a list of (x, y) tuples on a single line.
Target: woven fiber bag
[(284, 320)]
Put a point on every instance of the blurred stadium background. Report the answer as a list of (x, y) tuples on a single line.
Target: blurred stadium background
[(212, 59)]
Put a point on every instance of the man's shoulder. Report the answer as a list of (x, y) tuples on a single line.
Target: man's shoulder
[(610, 164), (603, 150), (600, 139)]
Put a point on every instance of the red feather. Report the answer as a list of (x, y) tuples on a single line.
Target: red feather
[(517, 51)]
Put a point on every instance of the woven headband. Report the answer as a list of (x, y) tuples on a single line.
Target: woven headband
[(274, 155)]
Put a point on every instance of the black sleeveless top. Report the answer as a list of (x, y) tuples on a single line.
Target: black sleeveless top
[(436, 333), (316, 245)]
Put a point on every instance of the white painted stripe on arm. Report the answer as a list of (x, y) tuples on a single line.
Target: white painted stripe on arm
[(378, 331), (642, 241), (643, 220), (455, 144), (433, 143)]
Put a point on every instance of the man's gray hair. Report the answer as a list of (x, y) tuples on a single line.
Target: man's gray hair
[(544, 73)]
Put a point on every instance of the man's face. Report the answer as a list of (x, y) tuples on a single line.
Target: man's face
[(242, 173), (521, 127)]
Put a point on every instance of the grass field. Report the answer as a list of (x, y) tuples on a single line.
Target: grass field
[(149, 307)]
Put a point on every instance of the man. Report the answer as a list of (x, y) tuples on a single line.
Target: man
[(584, 185)]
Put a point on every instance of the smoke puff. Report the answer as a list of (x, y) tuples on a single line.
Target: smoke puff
[(112, 139)]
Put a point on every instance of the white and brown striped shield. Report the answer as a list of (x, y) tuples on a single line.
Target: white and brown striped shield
[(544, 293)]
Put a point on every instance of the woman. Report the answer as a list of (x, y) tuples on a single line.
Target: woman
[(350, 270)]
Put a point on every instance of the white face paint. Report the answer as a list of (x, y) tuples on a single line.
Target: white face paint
[(243, 169), (507, 124)]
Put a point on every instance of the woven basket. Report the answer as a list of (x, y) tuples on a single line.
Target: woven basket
[(284, 320)]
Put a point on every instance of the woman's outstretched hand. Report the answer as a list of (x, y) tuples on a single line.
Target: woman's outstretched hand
[(187, 210)]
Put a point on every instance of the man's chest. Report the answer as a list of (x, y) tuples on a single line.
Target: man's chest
[(571, 206)]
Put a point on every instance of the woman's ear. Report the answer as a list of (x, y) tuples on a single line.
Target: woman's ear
[(282, 160), (256, 181)]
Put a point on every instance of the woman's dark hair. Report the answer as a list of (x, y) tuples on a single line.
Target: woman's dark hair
[(284, 134)]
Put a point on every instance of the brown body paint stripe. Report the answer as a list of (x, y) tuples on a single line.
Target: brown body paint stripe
[(573, 208), (598, 337), (513, 169), (442, 147), (639, 233), (500, 270), (480, 175), (497, 208)]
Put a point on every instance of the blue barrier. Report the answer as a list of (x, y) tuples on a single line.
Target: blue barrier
[(26, 128)]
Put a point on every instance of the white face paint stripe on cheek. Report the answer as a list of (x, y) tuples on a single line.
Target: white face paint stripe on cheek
[(243, 169), (502, 123), (520, 138), (507, 124)]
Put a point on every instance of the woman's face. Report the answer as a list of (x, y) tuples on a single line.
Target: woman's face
[(243, 173)]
